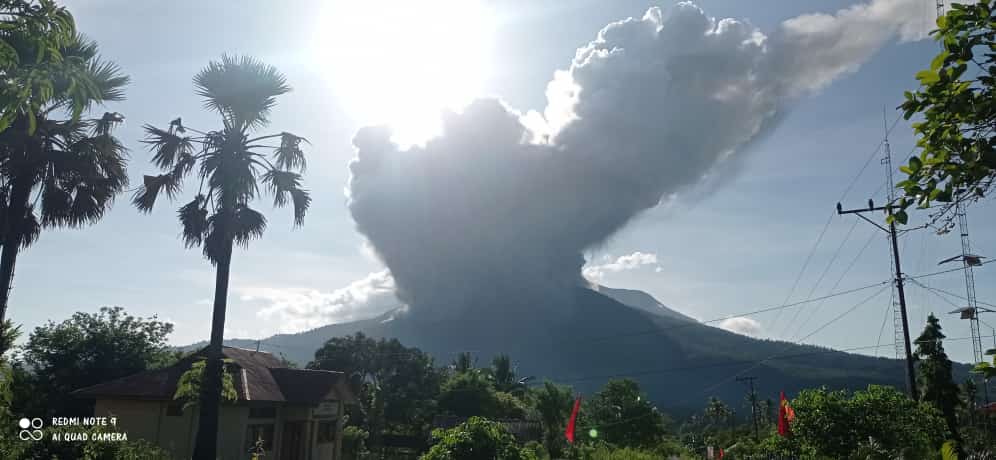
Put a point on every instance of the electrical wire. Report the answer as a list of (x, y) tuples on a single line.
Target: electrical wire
[(823, 275), (881, 329), (824, 326), (843, 274)]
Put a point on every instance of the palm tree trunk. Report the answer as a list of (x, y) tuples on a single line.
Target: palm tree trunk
[(16, 210), (206, 443)]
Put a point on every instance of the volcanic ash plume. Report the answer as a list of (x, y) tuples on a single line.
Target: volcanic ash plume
[(647, 110)]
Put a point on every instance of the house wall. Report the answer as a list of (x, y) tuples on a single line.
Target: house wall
[(149, 420)]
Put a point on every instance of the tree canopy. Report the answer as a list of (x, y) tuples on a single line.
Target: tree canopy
[(395, 382), (837, 423), (621, 414), (90, 348), (957, 162), (937, 386), (476, 439)]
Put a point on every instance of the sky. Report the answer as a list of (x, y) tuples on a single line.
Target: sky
[(738, 246)]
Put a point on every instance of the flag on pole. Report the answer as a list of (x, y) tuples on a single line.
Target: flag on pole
[(785, 416), (569, 432)]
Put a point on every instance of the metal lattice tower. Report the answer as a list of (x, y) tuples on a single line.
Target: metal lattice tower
[(940, 8), (968, 260), (897, 314)]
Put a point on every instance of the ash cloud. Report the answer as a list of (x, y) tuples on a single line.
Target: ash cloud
[(647, 111)]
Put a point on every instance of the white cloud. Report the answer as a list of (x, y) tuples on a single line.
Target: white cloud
[(595, 273), (741, 325), (297, 310)]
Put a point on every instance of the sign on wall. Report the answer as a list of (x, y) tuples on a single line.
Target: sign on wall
[(326, 409)]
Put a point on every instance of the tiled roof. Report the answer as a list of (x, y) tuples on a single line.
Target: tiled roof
[(258, 376)]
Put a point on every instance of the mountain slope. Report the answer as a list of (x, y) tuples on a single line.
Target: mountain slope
[(641, 301), (588, 338)]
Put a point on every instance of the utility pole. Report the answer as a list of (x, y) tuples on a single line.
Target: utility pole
[(898, 271), (910, 375), (753, 400)]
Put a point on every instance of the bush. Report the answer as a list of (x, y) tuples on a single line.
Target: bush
[(48, 448), (608, 453), (354, 442), (476, 439)]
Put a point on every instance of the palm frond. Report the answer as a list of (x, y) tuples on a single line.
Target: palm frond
[(166, 146), (90, 201), (56, 204), (289, 155), (302, 201), (100, 157), (193, 217), (248, 225), (30, 228), (279, 183), (242, 89), (215, 239), (105, 123), (82, 79), (146, 196), (284, 185), (108, 81)]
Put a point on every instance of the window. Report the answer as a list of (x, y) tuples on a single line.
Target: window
[(262, 412), (259, 433), (174, 409), (326, 432)]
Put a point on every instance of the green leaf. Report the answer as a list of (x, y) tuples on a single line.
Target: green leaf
[(915, 164), (938, 61), (927, 77), (901, 217), (32, 122), (948, 451)]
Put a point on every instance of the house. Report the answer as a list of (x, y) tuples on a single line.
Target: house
[(297, 413)]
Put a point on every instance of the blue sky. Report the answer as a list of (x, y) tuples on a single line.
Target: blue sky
[(735, 249)]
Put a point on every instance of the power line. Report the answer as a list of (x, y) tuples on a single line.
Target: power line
[(659, 330), (955, 296), (847, 270), (950, 270), (826, 226), (881, 329), (824, 326), (822, 275), (805, 265)]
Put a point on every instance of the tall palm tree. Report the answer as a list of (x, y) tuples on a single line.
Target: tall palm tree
[(58, 169), (232, 163)]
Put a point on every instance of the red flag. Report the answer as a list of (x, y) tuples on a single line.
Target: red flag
[(569, 432), (785, 415)]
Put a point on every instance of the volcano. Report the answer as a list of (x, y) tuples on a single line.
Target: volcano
[(590, 336)]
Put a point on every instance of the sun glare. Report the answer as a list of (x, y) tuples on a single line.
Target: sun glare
[(401, 62)]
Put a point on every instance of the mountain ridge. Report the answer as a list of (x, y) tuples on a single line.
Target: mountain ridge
[(590, 337)]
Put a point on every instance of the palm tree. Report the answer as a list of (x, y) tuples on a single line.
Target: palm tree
[(463, 362), (231, 166), (502, 373), (716, 411), (58, 169)]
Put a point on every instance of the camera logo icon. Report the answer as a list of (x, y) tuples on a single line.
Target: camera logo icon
[(30, 429)]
